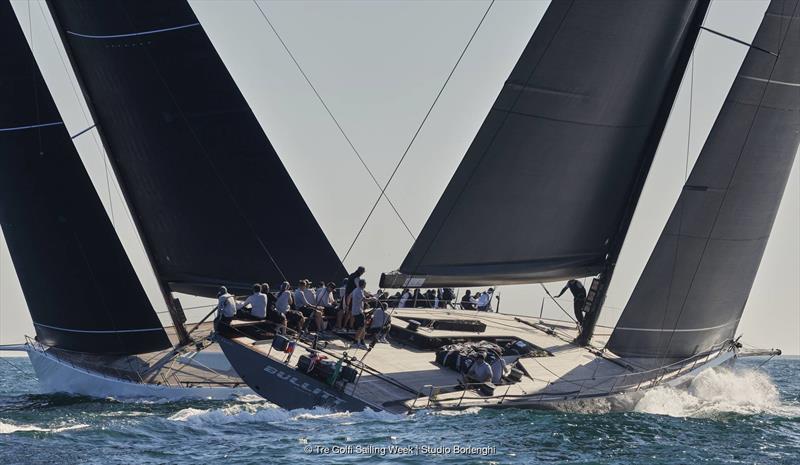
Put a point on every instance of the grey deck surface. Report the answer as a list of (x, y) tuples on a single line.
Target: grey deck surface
[(397, 373)]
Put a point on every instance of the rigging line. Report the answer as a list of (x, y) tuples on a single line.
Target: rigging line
[(330, 113), (82, 106), (557, 303), (204, 151), (416, 133), (738, 41), (782, 41)]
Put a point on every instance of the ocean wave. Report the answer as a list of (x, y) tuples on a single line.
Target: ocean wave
[(249, 412), (8, 428), (718, 392), (454, 413)]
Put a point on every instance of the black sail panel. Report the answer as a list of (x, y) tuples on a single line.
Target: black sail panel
[(81, 290), (213, 201), (542, 192), (692, 293)]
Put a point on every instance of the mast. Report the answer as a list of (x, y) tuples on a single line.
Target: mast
[(604, 279), (176, 314)]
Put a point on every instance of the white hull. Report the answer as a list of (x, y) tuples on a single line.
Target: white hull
[(56, 375)]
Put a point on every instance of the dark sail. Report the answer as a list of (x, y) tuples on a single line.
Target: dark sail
[(80, 287), (213, 202), (547, 187), (694, 288)]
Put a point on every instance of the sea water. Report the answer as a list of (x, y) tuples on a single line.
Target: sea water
[(748, 415)]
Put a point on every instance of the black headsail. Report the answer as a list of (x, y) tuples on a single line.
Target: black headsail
[(695, 285), (213, 202), (80, 287), (547, 188)]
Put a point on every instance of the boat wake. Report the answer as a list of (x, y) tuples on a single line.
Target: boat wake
[(8, 428), (256, 412), (719, 392)]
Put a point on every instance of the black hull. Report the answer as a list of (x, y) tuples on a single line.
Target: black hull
[(285, 386)]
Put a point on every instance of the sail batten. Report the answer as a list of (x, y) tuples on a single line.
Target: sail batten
[(213, 202), (706, 259), (79, 285), (555, 170)]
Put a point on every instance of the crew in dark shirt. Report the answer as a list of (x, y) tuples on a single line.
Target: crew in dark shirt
[(467, 302), (579, 296)]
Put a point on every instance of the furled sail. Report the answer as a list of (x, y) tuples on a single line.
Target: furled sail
[(81, 290), (694, 288), (549, 183), (213, 202)]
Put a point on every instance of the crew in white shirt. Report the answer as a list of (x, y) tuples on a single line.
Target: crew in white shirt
[(485, 301), (226, 304), (304, 302), (257, 302)]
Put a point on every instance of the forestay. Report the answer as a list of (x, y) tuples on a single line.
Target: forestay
[(81, 290), (213, 202), (694, 288), (546, 190)]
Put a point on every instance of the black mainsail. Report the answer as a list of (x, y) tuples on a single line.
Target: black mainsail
[(212, 200), (81, 290), (695, 285), (562, 156)]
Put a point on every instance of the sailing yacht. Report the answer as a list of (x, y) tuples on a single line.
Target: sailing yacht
[(195, 169), (569, 142)]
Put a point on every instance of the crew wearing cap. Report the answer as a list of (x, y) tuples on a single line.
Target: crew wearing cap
[(226, 305)]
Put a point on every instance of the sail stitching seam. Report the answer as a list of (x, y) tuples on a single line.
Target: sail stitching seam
[(132, 34), (32, 126), (143, 330)]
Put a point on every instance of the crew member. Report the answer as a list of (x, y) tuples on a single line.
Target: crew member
[(485, 301), (468, 302), (226, 306), (305, 306), (578, 295), (356, 300), (256, 302)]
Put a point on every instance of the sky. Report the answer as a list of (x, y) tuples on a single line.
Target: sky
[(378, 67)]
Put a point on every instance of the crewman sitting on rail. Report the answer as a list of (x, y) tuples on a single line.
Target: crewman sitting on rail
[(226, 306), (480, 371), (283, 304), (255, 306), (325, 299), (305, 306)]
